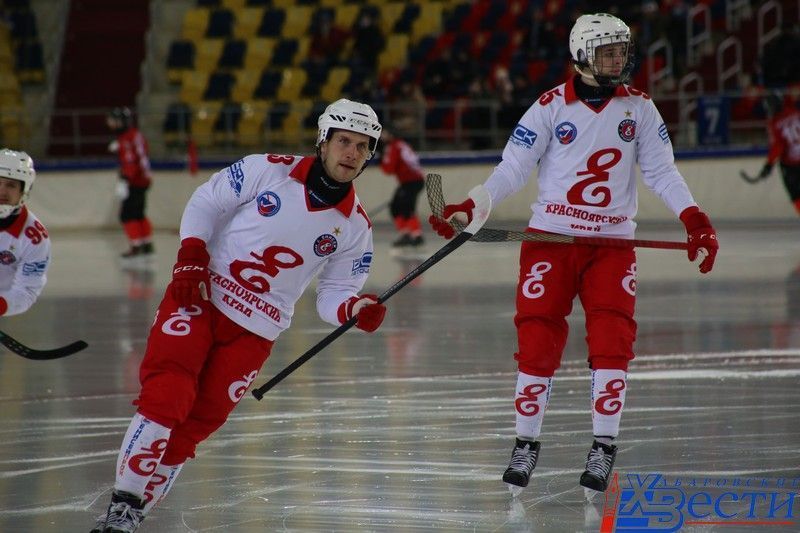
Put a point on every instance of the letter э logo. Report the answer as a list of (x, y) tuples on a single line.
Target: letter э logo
[(522, 136), (268, 204)]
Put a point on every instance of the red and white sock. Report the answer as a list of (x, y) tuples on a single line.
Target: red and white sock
[(608, 399), (140, 454), (530, 403), (159, 485)]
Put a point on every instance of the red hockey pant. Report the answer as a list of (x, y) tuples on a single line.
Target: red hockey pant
[(551, 275), (197, 367)]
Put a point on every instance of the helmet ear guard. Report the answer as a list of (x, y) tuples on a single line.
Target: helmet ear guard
[(344, 114), (591, 32), (16, 166)]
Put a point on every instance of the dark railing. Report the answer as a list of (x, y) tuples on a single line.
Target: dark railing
[(731, 119)]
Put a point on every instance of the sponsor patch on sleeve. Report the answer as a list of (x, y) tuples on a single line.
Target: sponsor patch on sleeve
[(522, 136), (361, 265), (663, 133), (36, 268), (236, 177)]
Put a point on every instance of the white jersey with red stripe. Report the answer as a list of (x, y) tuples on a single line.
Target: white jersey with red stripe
[(267, 242), (24, 259), (587, 158)]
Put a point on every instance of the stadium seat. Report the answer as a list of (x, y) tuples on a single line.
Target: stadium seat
[(298, 20), (345, 14), (202, 125), (259, 53), (209, 3), (227, 123), (247, 21), (245, 85), (234, 4), (23, 25), (271, 23), (179, 59), (176, 123), (395, 53), (249, 131), (193, 85), (268, 85), (389, 14), (195, 22), (208, 54), (30, 62), (232, 55), (219, 86), (337, 78), (220, 24), (429, 21), (292, 131), (292, 82), (9, 89), (409, 15), (284, 53)]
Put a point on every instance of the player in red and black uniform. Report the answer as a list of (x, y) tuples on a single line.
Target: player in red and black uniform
[(134, 173), (784, 146), (400, 160)]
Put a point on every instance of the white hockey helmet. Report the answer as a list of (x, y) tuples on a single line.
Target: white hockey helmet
[(593, 31), (16, 166), (344, 114)]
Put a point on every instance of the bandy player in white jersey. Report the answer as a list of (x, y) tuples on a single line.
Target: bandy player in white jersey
[(252, 239), (586, 136), (24, 242)]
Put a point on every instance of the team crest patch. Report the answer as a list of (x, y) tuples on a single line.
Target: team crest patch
[(627, 130), (268, 203), (7, 257), (325, 245), (566, 132)]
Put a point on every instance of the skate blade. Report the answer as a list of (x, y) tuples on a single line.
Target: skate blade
[(515, 490), (590, 494)]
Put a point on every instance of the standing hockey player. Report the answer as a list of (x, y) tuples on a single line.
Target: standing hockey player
[(586, 135), (134, 175), (400, 160), (253, 238), (24, 242), (784, 146)]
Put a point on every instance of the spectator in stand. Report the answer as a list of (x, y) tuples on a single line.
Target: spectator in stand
[(134, 174), (400, 160), (368, 42), (327, 39), (780, 61), (407, 106)]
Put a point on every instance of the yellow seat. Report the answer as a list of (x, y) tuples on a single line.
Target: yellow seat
[(9, 88), (246, 82), (203, 120), (298, 20), (233, 4), (207, 55), (292, 82), (250, 131), (293, 131), (395, 55), (332, 89), (193, 85), (259, 53), (390, 12), (345, 14), (303, 44), (195, 22), (247, 22), (429, 21)]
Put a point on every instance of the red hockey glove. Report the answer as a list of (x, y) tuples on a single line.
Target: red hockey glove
[(3, 306), (440, 224), (700, 236), (370, 313), (190, 279)]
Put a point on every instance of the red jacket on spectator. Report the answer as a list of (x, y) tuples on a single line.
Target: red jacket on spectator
[(134, 162)]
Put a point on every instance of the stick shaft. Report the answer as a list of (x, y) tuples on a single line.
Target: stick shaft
[(443, 252), (40, 355), (499, 235)]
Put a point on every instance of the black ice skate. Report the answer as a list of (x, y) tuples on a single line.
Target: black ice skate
[(123, 515), (599, 463), (523, 461), (404, 240)]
